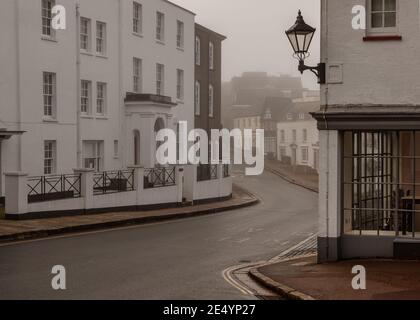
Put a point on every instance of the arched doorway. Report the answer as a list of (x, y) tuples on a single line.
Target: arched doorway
[(159, 125), (136, 147)]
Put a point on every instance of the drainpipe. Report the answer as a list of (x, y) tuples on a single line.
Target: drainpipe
[(78, 88), (327, 173), (18, 86)]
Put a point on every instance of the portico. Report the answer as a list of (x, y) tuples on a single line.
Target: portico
[(4, 135), (145, 115)]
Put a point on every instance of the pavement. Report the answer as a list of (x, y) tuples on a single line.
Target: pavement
[(288, 173), (301, 278), (38, 228), (176, 259)]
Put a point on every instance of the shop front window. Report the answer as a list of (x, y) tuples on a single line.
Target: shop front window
[(381, 191)]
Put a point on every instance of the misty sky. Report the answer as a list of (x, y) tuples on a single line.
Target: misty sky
[(255, 31)]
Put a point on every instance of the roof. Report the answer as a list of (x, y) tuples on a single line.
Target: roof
[(178, 6), (218, 35), (278, 106)]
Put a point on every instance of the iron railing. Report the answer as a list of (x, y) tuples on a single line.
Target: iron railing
[(113, 182), (226, 173), (54, 187), (159, 177), (206, 172)]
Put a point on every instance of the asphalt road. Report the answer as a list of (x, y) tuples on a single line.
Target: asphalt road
[(181, 259)]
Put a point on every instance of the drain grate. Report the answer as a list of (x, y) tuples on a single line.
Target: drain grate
[(308, 247)]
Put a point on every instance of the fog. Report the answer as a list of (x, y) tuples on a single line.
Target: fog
[(255, 31)]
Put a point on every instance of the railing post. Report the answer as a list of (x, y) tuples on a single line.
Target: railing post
[(220, 176), (179, 181), (16, 194), (138, 180), (86, 186), (190, 181)]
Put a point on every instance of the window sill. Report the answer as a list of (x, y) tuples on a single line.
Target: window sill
[(382, 38), (86, 116), (160, 42), (101, 117), (101, 56), (49, 120), (140, 35), (180, 49), (86, 53), (50, 39), (180, 101)]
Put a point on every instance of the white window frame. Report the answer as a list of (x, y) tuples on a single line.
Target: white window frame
[(49, 94), (294, 135), (197, 50), (85, 96), (197, 98), (305, 135), (85, 34), (137, 75), (50, 153), (137, 18), (46, 18), (180, 30), (116, 149), (304, 154), (211, 55), (383, 30), (160, 79), (211, 101), (180, 84), (101, 38), (101, 98), (282, 136), (160, 26), (98, 156)]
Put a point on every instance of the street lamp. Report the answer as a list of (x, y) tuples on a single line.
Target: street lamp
[(300, 36)]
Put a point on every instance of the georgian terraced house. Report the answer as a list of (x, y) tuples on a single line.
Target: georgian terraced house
[(369, 131), (93, 96)]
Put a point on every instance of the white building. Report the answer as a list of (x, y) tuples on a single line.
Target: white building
[(370, 138), (144, 47), (297, 135)]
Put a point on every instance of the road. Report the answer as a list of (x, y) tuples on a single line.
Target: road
[(181, 259)]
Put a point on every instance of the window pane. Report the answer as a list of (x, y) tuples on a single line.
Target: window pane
[(390, 5), (390, 19), (377, 20), (377, 5)]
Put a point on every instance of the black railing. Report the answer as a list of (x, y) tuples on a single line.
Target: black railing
[(54, 187), (113, 182), (226, 173), (206, 172), (159, 177)]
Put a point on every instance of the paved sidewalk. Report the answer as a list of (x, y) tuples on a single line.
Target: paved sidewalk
[(308, 181), (304, 279), (29, 229)]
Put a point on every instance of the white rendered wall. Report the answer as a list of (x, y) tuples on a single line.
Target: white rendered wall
[(311, 143), (26, 56), (378, 72)]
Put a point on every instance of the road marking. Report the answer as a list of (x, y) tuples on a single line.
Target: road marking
[(228, 274), (229, 277)]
